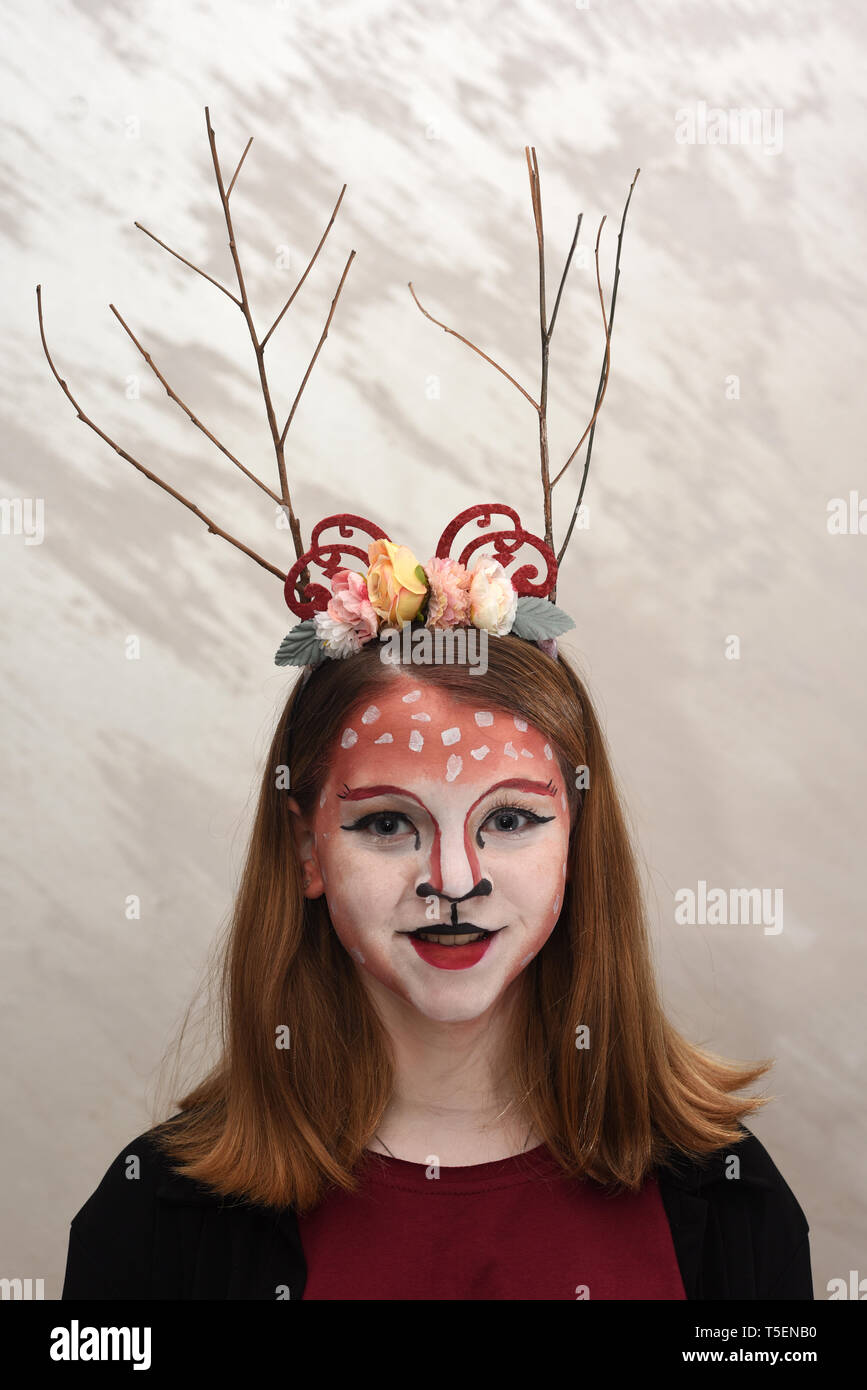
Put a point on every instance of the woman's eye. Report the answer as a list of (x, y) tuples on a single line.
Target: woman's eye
[(387, 823), (506, 820), (509, 819), (383, 825)]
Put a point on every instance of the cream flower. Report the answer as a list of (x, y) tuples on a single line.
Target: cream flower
[(493, 600), (339, 639)]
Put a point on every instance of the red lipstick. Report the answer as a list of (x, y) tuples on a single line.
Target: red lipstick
[(451, 957)]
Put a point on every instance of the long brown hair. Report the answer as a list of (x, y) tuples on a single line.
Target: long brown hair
[(279, 1125)]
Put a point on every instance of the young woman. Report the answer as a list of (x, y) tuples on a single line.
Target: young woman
[(446, 1073), (446, 1070)]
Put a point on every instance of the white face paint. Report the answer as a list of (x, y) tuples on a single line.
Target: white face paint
[(426, 800)]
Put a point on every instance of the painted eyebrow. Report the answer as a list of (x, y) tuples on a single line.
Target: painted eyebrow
[(385, 789), (524, 784), (521, 784)]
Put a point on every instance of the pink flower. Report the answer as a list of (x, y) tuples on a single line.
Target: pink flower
[(349, 617), (448, 604)]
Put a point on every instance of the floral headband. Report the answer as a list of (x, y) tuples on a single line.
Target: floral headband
[(446, 593), (449, 592)]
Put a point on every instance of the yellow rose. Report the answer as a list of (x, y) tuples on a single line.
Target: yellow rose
[(394, 587)]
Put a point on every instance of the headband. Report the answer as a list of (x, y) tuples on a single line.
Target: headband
[(496, 592)]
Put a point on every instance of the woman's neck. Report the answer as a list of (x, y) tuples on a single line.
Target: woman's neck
[(451, 1102)]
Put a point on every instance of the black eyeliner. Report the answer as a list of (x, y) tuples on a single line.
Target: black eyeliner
[(365, 820), (519, 810)]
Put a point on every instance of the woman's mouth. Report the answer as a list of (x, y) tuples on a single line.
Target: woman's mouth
[(451, 950)]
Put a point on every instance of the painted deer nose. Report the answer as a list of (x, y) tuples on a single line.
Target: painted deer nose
[(454, 870), (481, 890)]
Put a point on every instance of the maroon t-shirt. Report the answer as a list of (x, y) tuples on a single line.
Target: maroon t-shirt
[(518, 1228)]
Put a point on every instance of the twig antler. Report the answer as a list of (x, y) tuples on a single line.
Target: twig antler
[(547, 329), (278, 435)]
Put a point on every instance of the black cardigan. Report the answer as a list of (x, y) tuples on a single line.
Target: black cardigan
[(162, 1236)]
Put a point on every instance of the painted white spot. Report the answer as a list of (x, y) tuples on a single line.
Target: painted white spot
[(557, 902), (323, 873), (416, 742), (548, 754), (525, 961), (356, 955), (483, 718), (564, 803), (421, 716), (349, 737), (564, 868), (453, 766), (384, 738), (525, 753), (480, 752), (411, 698), (371, 714), (519, 723), (510, 750), (451, 736), (322, 796)]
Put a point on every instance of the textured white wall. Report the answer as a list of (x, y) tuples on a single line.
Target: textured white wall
[(708, 515)]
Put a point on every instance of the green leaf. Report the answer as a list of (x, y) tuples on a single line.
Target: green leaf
[(420, 575), (301, 647), (537, 618)]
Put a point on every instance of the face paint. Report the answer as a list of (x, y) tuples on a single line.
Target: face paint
[(447, 817)]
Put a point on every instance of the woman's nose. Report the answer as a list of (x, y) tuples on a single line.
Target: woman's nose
[(479, 890), (455, 872)]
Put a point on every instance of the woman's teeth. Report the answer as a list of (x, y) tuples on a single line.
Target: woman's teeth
[(453, 938)]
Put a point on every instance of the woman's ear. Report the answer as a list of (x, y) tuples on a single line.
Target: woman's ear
[(305, 845)]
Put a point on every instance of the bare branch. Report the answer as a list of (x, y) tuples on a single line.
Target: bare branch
[(546, 333), (605, 367), (173, 492), (238, 170), (307, 271), (603, 375), (563, 277), (474, 348), (536, 196), (285, 498), (234, 298), (318, 347), (196, 421)]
